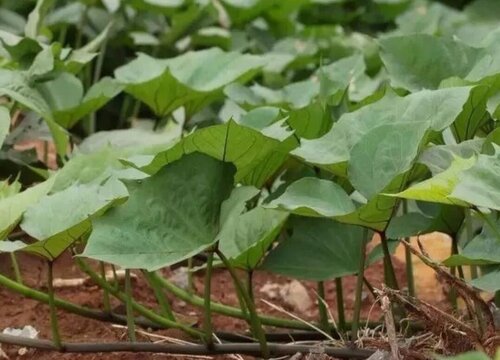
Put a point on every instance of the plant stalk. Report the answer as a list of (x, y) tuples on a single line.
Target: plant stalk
[(339, 291), (408, 260), (323, 311), (473, 271), (391, 280), (254, 322), (165, 308), (106, 302), (54, 327), (129, 307), (207, 313), (250, 284), (144, 311), (15, 267), (359, 286), (190, 275)]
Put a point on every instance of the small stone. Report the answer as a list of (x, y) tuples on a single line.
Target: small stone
[(271, 290), (180, 278), (296, 296)]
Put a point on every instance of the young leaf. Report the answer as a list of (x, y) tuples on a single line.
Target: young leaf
[(35, 18)]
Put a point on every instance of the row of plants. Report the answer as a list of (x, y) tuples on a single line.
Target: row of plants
[(267, 135)]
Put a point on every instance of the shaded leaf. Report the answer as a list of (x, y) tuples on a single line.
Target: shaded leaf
[(179, 223), (319, 249)]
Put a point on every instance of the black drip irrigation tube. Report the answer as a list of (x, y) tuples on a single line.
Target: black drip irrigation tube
[(252, 349)]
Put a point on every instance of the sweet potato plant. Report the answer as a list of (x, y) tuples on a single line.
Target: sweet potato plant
[(255, 135)]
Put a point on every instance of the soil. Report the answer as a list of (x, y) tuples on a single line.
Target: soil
[(16, 311)]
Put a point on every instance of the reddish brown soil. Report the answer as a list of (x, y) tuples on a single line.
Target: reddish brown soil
[(16, 311)]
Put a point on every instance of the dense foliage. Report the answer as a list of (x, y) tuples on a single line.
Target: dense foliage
[(191, 126)]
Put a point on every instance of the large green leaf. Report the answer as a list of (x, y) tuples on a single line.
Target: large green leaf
[(183, 203), (319, 249), (13, 207), (61, 219), (256, 154), (192, 80), (437, 108), (374, 163), (421, 61)]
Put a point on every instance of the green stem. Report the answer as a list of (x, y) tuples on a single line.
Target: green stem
[(106, 302), (56, 338), (339, 290), (391, 274), (62, 35), (129, 307), (15, 267), (190, 275), (115, 277), (207, 313), (473, 270), (165, 308), (124, 110), (46, 153), (497, 298), (254, 322), (250, 284), (229, 310), (79, 29), (359, 286), (323, 311), (408, 260), (470, 235), (144, 311)]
